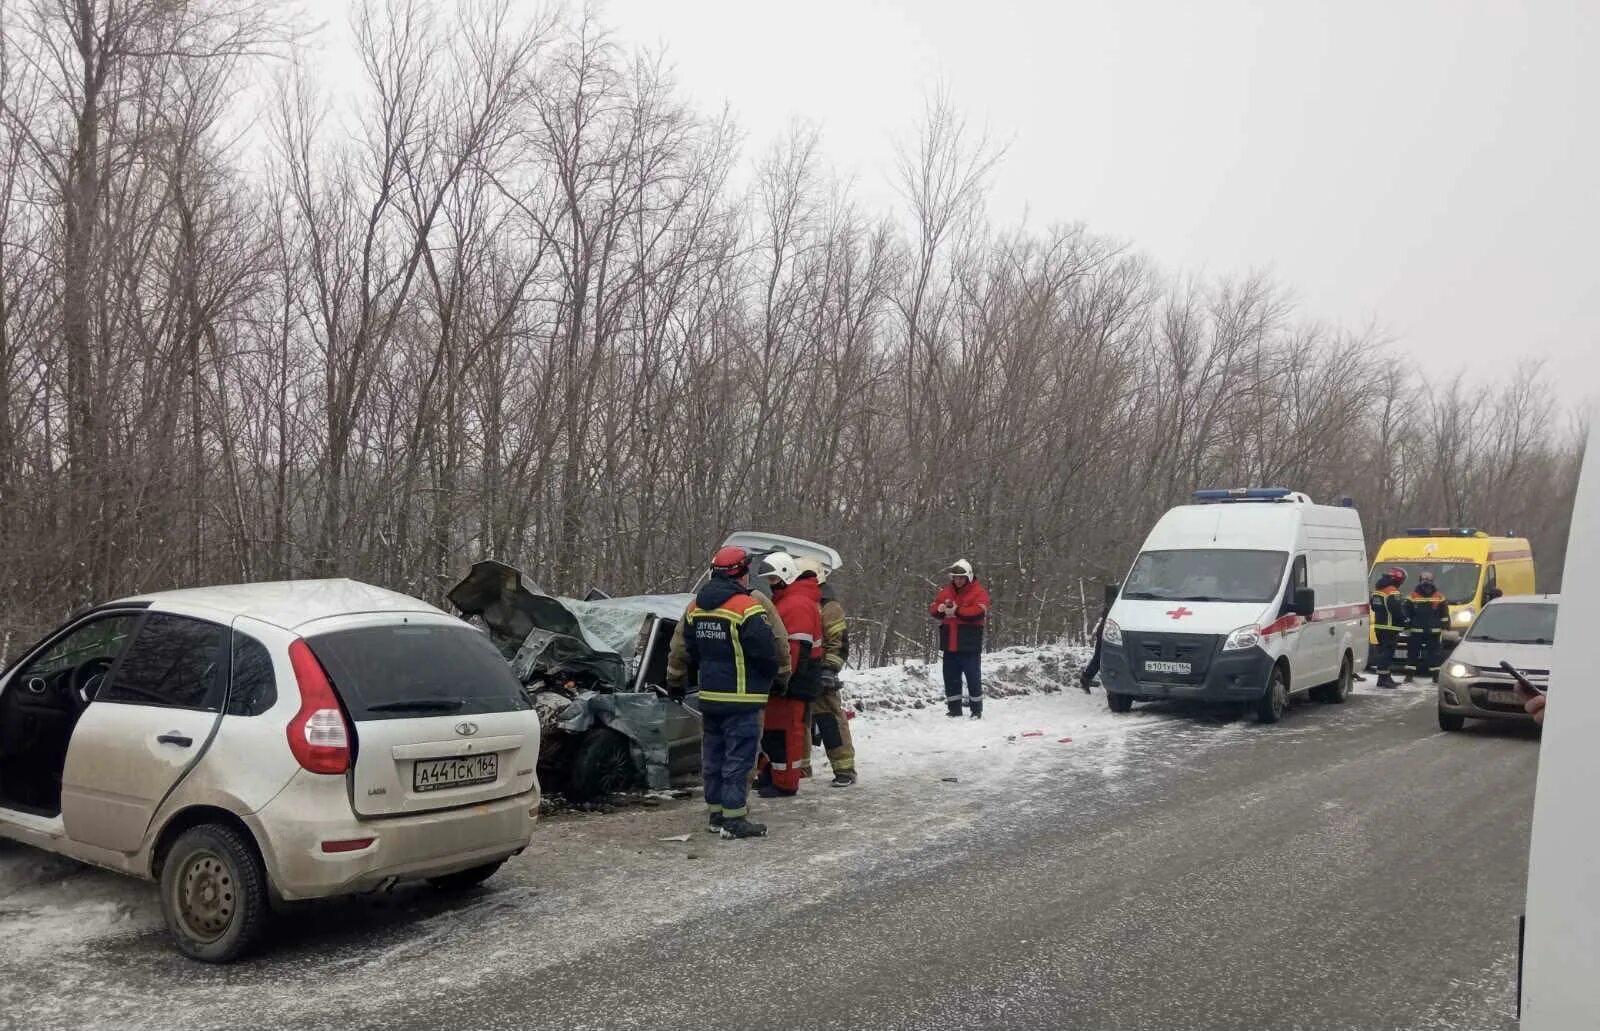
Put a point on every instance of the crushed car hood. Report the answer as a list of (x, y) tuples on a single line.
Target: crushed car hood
[(541, 635)]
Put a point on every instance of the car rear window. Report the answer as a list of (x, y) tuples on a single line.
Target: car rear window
[(410, 671)]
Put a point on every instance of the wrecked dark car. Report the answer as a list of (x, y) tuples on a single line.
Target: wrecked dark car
[(595, 671)]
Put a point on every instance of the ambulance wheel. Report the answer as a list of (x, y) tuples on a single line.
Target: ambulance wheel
[(1119, 702), (1450, 722), (1275, 699), (1336, 692)]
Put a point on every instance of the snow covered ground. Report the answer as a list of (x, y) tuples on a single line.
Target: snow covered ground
[(588, 881)]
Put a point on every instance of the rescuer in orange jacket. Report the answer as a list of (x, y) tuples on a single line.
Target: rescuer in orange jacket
[(961, 608), (785, 738)]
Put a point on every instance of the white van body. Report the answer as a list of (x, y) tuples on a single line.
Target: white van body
[(1208, 610), (1561, 946)]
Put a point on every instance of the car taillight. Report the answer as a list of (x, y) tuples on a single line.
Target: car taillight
[(317, 735)]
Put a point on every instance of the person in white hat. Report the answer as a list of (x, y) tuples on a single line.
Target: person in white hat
[(961, 608)]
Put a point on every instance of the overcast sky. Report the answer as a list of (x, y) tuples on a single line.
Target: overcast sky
[(1430, 166)]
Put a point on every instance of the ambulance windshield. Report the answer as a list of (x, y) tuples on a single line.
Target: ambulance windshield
[(1457, 581), (1208, 574)]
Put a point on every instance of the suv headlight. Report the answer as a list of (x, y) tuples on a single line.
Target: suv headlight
[(1461, 671), (1244, 637), (1111, 633), (1464, 617)]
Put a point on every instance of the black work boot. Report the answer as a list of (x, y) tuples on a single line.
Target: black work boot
[(844, 778), (715, 824), (977, 714), (770, 790), (739, 827)]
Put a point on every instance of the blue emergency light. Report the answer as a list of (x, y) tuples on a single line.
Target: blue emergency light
[(1243, 494), (1442, 531)]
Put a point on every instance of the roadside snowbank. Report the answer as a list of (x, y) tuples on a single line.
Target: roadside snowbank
[(1006, 673)]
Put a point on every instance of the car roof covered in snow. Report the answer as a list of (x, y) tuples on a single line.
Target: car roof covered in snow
[(289, 603)]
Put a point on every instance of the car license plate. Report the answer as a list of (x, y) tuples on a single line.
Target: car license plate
[(1166, 667), (1505, 698), (459, 772)]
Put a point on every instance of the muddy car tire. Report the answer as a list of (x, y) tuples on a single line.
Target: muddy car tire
[(462, 880), (603, 765), (1118, 702), (214, 893)]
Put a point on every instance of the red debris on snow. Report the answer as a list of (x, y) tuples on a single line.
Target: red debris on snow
[(1034, 733), (1064, 741)]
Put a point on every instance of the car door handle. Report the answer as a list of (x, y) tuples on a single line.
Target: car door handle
[(175, 738)]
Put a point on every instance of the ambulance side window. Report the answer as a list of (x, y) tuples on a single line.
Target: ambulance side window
[(1297, 581)]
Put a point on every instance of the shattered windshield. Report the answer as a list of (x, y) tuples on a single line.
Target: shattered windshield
[(1206, 574)]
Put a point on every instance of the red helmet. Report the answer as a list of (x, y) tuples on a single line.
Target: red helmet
[(1396, 574), (732, 560)]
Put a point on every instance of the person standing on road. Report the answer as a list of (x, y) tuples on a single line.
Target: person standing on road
[(1092, 670), (785, 743), (1388, 619), (962, 607), (725, 643), (1427, 615), (829, 723)]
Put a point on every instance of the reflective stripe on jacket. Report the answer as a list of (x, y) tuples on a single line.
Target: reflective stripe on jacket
[(726, 642), (962, 632), (1388, 609)]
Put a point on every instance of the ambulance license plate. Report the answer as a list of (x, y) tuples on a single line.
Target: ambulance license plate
[(1166, 667), (439, 774)]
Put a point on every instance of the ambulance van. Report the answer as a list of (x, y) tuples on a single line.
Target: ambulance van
[(1470, 567), (1246, 596)]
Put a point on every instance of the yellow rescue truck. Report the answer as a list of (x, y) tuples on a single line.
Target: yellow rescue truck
[(1469, 566)]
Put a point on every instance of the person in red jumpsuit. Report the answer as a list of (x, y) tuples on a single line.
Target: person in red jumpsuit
[(785, 738)]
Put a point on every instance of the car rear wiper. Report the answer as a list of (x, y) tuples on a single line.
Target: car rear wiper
[(419, 705)]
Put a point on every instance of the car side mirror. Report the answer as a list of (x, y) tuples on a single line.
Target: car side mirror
[(1495, 592), (1305, 602), (1112, 590)]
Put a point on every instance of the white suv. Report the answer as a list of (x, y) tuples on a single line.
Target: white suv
[(268, 741)]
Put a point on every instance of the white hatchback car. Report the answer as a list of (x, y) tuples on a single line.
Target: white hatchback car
[(266, 742)]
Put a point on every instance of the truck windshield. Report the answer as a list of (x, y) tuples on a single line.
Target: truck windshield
[(1457, 581), (1522, 623), (1207, 574)]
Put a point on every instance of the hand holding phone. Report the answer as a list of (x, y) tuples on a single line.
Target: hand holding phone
[(1524, 685)]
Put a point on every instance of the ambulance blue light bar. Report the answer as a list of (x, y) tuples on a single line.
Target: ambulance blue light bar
[(1442, 531), (1243, 494)]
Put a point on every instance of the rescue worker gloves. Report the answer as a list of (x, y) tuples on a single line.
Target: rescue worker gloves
[(828, 680)]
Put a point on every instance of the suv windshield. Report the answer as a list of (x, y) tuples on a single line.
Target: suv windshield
[(1208, 574), (1521, 623), (1457, 581), (413, 670)]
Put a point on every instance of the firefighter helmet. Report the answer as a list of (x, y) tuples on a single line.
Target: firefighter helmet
[(780, 565), (806, 564), (731, 560)]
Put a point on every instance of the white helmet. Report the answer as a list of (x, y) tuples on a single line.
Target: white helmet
[(807, 564), (961, 567), (781, 565)]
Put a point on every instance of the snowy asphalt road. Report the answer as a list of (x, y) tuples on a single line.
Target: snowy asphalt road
[(1349, 868)]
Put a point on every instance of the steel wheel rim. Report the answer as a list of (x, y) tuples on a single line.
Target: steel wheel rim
[(1280, 694), (207, 894)]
